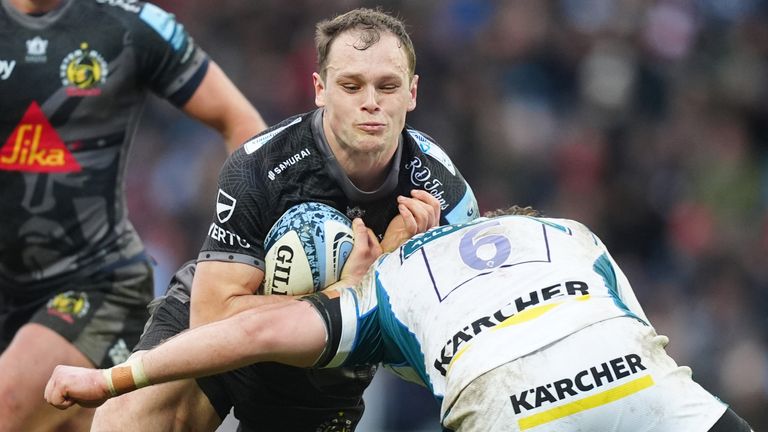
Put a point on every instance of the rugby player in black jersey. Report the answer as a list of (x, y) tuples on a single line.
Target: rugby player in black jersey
[(354, 153), (74, 278)]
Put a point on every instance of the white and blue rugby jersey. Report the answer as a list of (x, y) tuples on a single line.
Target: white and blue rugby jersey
[(460, 300)]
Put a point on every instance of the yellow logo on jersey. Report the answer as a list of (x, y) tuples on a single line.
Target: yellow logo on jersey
[(82, 71), (69, 305)]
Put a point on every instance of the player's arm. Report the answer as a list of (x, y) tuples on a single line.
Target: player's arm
[(292, 333), (219, 104), (223, 289)]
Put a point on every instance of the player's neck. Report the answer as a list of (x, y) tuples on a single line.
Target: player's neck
[(367, 171), (367, 168), (36, 6)]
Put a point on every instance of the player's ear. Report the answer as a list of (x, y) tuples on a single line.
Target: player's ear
[(317, 82), (413, 90)]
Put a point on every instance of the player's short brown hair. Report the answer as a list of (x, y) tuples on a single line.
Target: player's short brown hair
[(370, 22), (513, 211)]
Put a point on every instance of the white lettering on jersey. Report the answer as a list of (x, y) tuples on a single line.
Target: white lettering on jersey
[(421, 176), (224, 236), (287, 163), (129, 5), (256, 143), (6, 68), (429, 148)]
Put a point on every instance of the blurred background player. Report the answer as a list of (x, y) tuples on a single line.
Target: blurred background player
[(74, 277), (356, 154), (487, 315)]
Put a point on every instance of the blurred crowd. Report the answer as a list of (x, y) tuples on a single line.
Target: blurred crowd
[(646, 120)]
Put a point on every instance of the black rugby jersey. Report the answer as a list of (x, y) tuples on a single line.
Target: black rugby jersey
[(73, 82), (291, 163)]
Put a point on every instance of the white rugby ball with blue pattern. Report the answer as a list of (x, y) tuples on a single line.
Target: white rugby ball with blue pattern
[(306, 249)]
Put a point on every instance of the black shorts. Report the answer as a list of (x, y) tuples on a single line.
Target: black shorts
[(102, 316), (265, 396)]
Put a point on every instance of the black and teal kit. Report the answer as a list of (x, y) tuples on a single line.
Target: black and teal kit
[(285, 165)]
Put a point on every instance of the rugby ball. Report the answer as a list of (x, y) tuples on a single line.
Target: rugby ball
[(306, 249)]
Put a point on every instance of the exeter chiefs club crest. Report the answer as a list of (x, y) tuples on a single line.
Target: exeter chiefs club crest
[(82, 72), (69, 305), (225, 205)]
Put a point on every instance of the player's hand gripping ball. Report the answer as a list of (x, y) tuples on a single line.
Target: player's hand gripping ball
[(306, 249)]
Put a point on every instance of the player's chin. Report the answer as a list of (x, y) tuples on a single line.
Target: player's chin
[(373, 143)]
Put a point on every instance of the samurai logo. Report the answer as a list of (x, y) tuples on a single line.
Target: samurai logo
[(225, 206), (82, 71)]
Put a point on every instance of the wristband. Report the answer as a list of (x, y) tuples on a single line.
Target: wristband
[(126, 377)]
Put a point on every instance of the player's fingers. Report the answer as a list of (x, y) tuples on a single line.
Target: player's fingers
[(365, 240), (421, 213), (431, 201), (51, 395), (54, 395), (427, 207), (374, 242), (48, 391), (409, 219), (64, 403), (361, 234)]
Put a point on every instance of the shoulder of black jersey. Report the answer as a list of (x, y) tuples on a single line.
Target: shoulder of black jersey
[(143, 16), (417, 135), (285, 136), (420, 142), (121, 9)]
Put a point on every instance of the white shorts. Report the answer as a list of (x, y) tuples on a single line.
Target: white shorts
[(611, 376)]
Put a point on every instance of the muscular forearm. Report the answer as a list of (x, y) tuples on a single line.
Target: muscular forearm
[(289, 333), (206, 350)]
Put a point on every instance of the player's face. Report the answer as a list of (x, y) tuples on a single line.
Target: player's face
[(366, 94)]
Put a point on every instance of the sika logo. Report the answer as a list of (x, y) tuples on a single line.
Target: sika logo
[(82, 71), (34, 146)]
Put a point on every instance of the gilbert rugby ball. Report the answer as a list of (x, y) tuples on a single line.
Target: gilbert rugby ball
[(306, 249)]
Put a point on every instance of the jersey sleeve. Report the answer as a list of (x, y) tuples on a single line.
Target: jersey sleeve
[(239, 224), (351, 321), (434, 171), (169, 61)]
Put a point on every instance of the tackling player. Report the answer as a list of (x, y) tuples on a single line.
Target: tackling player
[(74, 277), (356, 154), (514, 322)]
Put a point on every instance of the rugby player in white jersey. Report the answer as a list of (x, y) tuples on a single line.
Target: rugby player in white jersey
[(513, 322)]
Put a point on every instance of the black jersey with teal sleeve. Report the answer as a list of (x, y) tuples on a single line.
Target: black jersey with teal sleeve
[(73, 83)]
